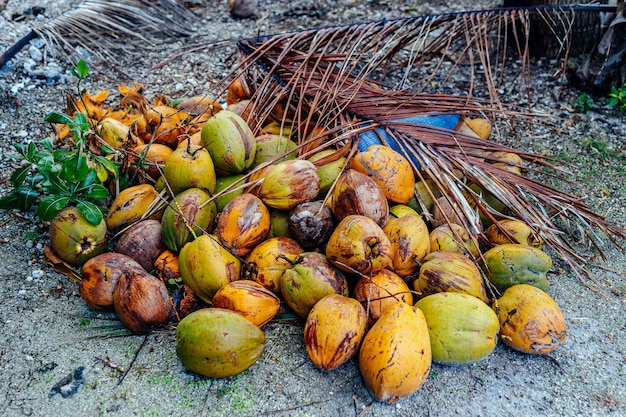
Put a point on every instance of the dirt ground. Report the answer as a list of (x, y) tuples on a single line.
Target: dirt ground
[(57, 356)]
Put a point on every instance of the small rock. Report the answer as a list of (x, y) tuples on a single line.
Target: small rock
[(69, 385), (243, 8), (52, 72), (29, 65), (17, 87), (35, 54), (37, 273), (47, 367), (38, 43)]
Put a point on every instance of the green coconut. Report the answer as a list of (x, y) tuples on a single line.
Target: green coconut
[(218, 343), (462, 328)]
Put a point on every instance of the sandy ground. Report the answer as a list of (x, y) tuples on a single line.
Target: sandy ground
[(51, 342)]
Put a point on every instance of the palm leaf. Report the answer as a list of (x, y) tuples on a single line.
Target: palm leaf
[(364, 78), (101, 27)]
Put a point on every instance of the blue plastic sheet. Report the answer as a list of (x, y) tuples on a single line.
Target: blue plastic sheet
[(369, 138)]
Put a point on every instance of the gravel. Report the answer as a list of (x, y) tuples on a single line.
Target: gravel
[(52, 343)]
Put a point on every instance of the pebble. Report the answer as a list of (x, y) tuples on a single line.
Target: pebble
[(29, 244), (17, 87), (37, 273), (38, 43), (35, 53), (52, 72), (29, 66)]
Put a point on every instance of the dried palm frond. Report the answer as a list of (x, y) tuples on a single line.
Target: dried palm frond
[(102, 26), (373, 79)]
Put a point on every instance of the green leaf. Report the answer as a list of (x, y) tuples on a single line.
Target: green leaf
[(91, 212), (60, 118), (174, 102), (47, 144), (80, 119), (22, 199), (107, 149), (97, 192), (76, 167), (28, 197), (60, 155), (109, 165), (31, 182), (124, 182), (20, 148), (47, 165), (90, 178), (81, 70), (12, 200), (28, 193), (41, 154), (86, 184), (32, 150), (56, 185), (78, 134), (19, 176), (50, 206)]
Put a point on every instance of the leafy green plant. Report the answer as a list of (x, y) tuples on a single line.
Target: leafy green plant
[(55, 178), (32, 235), (598, 147), (583, 102), (175, 282), (617, 97)]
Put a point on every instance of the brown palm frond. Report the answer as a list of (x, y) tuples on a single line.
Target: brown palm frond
[(372, 80), (101, 27)]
